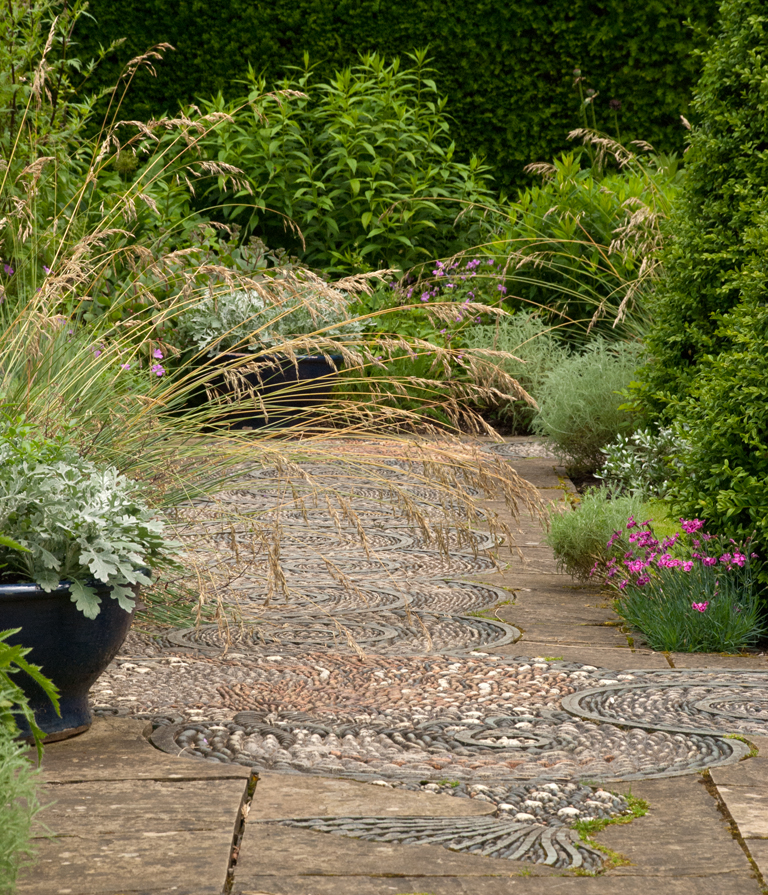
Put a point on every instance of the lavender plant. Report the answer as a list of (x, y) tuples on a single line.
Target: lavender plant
[(690, 592)]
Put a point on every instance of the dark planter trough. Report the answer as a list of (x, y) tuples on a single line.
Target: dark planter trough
[(290, 391), (72, 650)]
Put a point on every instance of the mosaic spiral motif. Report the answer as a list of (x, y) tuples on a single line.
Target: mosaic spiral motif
[(397, 631), (701, 702)]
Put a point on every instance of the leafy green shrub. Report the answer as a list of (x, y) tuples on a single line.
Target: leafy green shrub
[(642, 463), (688, 593), (533, 352), (725, 420), (715, 259), (583, 245), (507, 68), (580, 403), (363, 164), (707, 361), (77, 522), (578, 537)]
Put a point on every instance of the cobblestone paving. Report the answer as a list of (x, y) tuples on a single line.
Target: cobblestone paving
[(386, 677)]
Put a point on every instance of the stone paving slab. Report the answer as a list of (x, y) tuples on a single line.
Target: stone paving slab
[(124, 818), (682, 847), (292, 860), (291, 795), (176, 861), (116, 749), (521, 884)]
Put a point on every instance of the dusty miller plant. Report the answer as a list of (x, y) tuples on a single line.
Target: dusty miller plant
[(79, 523), (245, 319)]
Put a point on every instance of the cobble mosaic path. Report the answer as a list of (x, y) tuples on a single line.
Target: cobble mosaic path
[(380, 663)]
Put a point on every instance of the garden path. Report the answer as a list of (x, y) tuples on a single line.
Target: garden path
[(492, 709)]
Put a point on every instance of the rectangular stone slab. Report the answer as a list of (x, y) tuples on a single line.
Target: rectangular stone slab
[(126, 836), (179, 862), (289, 795), (271, 854), (116, 749)]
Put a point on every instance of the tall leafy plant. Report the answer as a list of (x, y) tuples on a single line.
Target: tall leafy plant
[(362, 164)]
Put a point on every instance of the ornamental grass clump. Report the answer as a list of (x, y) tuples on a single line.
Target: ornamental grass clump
[(691, 592)]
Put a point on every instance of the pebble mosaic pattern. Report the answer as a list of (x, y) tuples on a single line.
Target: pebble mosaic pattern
[(427, 706), (706, 702), (487, 836), (384, 632)]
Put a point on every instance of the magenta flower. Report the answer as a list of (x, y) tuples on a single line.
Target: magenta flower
[(157, 353), (425, 296), (8, 269), (96, 353), (502, 289), (125, 366), (631, 523), (46, 269), (700, 607), (157, 369), (690, 526)]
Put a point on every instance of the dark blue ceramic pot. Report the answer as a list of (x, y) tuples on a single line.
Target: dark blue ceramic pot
[(72, 650), (290, 391)]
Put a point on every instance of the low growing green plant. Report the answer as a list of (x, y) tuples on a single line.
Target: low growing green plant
[(581, 403), (79, 523), (579, 536), (692, 592)]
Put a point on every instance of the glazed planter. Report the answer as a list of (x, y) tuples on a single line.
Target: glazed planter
[(290, 389), (72, 650)]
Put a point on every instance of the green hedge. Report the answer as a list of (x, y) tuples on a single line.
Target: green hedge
[(507, 67)]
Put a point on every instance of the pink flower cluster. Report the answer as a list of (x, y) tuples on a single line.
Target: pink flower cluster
[(648, 558)]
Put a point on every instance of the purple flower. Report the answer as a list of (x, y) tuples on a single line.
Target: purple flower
[(502, 289), (157, 369), (157, 353), (96, 353), (631, 523), (425, 296), (700, 607), (46, 269), (125, 366), (8, 269), (690, 526)]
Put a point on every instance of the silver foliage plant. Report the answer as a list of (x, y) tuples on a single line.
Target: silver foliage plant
[(642, 463), (79, 523), (247, 320)]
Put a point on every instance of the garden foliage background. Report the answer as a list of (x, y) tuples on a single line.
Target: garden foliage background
[(507, 67)]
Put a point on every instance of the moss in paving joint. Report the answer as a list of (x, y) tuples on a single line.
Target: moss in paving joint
[(753, 750), (587, 829)]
